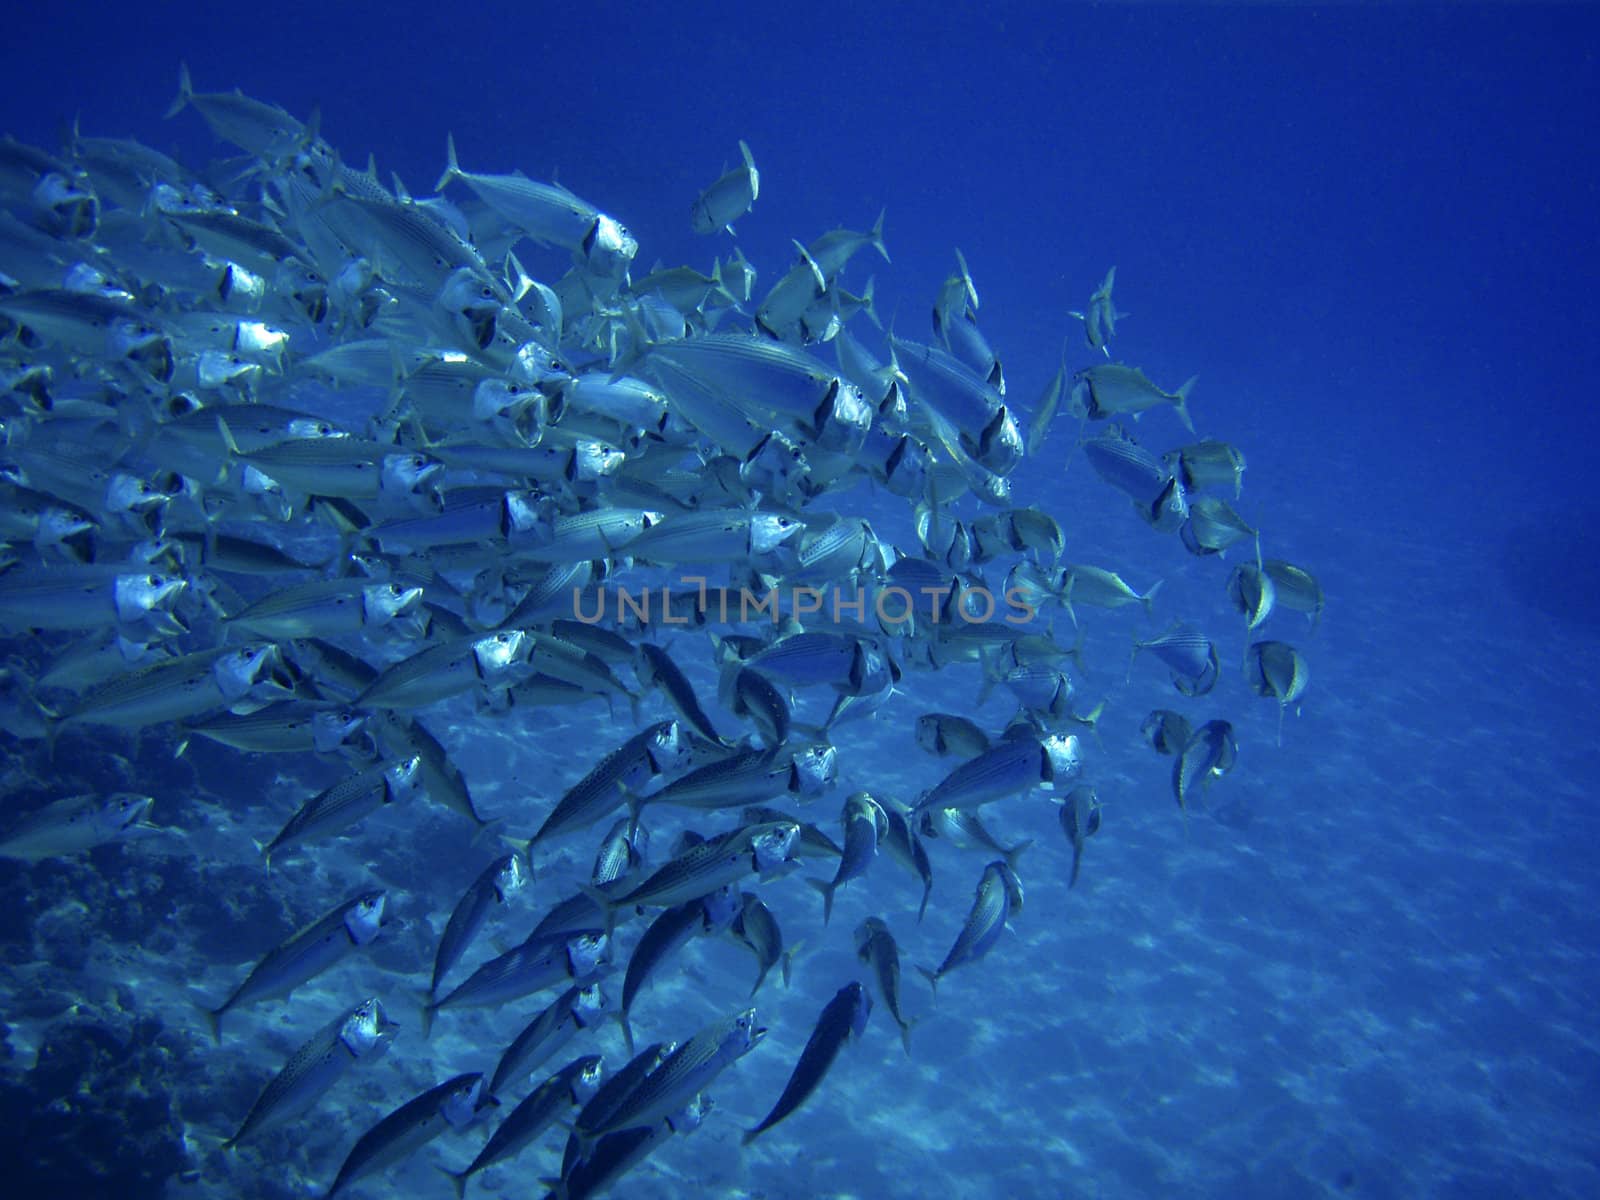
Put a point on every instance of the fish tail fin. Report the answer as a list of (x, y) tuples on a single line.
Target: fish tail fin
[(458, 1179), (905, 1035), (1091, 721), (52, 732), (232, 448), (1077, 863), (185, 92), (265, 850), (430, 1008), (627, 1032), (866, 301), (827, 890), (604, 903), (786, 962), (718, 287), (1149, 598), (1012, 855), (213, 1020), (932, 977), (875, 237), (1182, 402), (749, 1136), (452, 168), (489, 828), (922, 909), (635, 803)]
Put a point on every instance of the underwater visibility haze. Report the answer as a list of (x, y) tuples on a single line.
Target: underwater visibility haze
[(871, 602)]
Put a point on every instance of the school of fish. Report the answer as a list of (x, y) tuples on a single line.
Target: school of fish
[(302, 465)]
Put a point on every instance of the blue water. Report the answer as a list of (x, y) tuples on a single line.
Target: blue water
[(1369, 971)]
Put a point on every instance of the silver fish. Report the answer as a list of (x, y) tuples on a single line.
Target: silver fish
[(865, 825), (945, 733), (1252, 591), (1189, 655), (1207, 464), (360, 1035), (621, 851), (263, 130), (656, 669), (999, 893), (326, 608), (82, 598), (287, 727), (831, 251), (1279, 671), (499, 883), (641, 760), (73, 825), (549, 213), (906, 848), (1111, 390), (875, 946), (576, 1009), (1165, 731), (965, 829), (670, 931), (1296, 588), (1210, 752), (1101, 588), (305, 954), (700, 870), (729, 198), (1006, 768), (543, 961), (334, 809), (171, 689), (756, 929), (688, 1070), (842, 1019), (452, 1105), (570, 1087), (1080, 820)]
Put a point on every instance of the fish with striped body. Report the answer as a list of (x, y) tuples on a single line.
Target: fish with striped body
[(305, 954), (843, 1019), (998, 895), (451, 1105), (360, 1035)]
